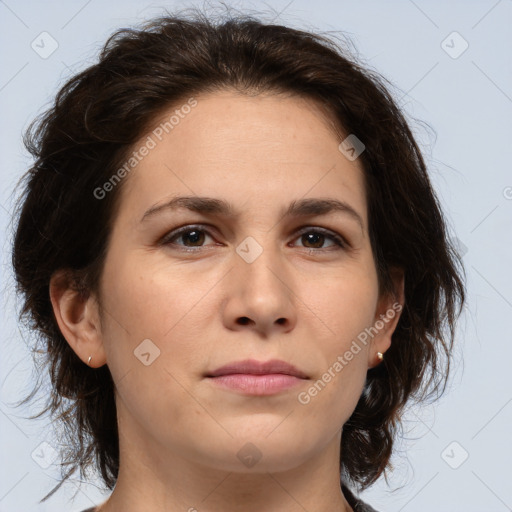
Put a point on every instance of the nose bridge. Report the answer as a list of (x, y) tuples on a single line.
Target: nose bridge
[(258, 258), (259, 293), (260, 271)]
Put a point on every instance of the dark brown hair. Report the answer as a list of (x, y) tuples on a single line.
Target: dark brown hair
[(99, 115)]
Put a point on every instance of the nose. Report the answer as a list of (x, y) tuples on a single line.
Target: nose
[(260, 295)]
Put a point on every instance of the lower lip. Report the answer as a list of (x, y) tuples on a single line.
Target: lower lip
[(258, 385)]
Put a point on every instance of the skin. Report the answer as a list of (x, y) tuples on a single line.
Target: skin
[(179, 433)]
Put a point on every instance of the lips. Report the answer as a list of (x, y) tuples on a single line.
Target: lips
[(253, 367)]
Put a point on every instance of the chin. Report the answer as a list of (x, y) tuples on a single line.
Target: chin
[(257, 454)]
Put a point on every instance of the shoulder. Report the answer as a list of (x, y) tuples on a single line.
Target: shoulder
[(354, 502)]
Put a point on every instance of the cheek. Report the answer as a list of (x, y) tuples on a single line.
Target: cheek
[(345, 307), (346, 304), (151, 301), (152, 341), (156, 311)]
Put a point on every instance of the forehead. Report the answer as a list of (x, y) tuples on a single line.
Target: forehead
[(263, 150)]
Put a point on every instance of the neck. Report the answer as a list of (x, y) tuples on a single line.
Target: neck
[(155, 480)]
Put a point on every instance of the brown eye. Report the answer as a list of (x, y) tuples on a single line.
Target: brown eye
[(195, 236), (190, 236), (315, 238)]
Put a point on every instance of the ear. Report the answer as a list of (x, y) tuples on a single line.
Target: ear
[(77, 315), (389, 309)]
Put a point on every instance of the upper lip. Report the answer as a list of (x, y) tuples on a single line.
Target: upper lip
[(253, 367)]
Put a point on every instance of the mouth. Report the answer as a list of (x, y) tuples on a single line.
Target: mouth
[(253, 367), (257, 385), (256, 378)]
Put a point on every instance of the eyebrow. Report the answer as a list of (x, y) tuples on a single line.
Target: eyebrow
[(220, 207)]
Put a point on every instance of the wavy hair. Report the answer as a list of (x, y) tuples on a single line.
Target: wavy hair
[(97, 117)]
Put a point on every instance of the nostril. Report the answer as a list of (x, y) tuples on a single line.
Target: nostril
[(244, 320)]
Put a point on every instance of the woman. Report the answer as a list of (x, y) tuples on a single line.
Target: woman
[(241, 273)]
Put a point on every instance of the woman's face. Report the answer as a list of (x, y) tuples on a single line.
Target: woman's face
[(251, 282)]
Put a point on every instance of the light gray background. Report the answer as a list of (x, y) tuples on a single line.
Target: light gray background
[(468, 102)]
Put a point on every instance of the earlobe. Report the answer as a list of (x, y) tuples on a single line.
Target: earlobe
[(78, 319), (386, 319)]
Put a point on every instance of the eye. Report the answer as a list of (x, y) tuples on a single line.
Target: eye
[(193, 238), (194, 234), (316, 237)]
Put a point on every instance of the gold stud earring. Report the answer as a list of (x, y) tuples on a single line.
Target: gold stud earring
[(89, 360), (380, 355)]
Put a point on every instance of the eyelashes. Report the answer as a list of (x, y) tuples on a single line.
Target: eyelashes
[(197, 231)]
